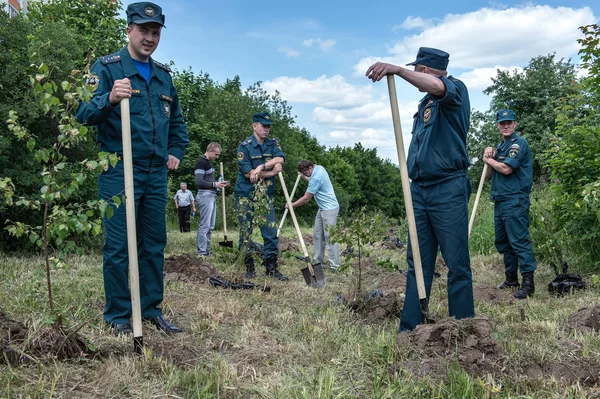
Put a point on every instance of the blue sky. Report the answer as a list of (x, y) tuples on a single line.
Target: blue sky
[(316, 52)]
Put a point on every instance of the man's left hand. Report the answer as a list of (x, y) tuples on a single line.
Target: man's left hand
[(172, 163)]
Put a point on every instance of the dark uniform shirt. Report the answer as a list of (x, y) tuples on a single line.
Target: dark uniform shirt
[(438, 149), (515, 152), (250, 154), (157, 127)]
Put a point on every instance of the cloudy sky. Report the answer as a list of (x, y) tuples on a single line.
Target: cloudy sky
[(316, 52)]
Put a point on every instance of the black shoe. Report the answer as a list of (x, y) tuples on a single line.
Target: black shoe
[(271, 269), (162, 324), (527, 288), (510, 281), (122, 328), (250, 268)]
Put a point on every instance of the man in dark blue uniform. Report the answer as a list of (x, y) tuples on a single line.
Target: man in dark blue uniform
[(259, 161), (437, 165), (159, 137), (511, 171)]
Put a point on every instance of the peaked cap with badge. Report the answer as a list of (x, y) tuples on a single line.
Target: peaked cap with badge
[(506, 115), (432, 57), (263, 118), (145, 12)]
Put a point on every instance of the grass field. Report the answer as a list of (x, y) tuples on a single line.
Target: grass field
[(294, 342)]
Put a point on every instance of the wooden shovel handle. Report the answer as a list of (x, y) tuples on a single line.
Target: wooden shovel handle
[(223, 201), (476, 203), (293, 215), (134, 276), (410, 214), (286, 210)]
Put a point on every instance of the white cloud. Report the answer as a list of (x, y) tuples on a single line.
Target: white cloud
[(324, 45), (495, 37), (290, 52), (334, 91), (413, 23), (481, 78)]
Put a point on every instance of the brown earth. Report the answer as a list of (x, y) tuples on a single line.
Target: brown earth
[(289, 244), (17, 346), (393, 282), (469, 343), (493, 295), (189, 268), (586, 320), (466, 341)]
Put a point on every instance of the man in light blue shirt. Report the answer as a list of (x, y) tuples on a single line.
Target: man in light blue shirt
[(319, 186)]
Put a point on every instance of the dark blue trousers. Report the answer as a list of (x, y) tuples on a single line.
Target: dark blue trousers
[(511, 223), (150, 190), (441, 214), (268, 230)]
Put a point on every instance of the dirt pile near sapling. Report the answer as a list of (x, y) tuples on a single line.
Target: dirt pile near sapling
[(16, 346), (467, 341), (586, 320), (394, 281), (12, 336), (189, 268), (288, 245), (492, 295)]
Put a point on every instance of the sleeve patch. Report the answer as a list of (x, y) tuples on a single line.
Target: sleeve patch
[(93, 81), (240, 156)]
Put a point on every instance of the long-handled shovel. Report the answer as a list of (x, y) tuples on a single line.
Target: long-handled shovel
[(225, 242), (476, 203), (410, 215), (134, 276), (313, 274), (286, 210)]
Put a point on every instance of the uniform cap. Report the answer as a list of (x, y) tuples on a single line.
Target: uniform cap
[(506, 115), (145, 12), (262, 117), (432, 57)]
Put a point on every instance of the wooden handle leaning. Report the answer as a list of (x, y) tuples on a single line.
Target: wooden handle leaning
[(134, 276), (410, 214), (286, 210), (476, 203), (223, 201)]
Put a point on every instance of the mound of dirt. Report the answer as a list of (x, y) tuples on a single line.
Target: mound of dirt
[(288, 244), (54, 342), (586, 320), (375, 305), (189, 268), (568, 372), (12, 336), (466, 341), (493, 295), (308, 239), (393, 282)]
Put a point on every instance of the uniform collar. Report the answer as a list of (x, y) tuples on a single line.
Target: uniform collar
[(129, 68), (255, 142)]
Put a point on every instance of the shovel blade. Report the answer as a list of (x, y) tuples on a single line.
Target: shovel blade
[(308, 278), (425, 310), (321, 280), (226, 243)]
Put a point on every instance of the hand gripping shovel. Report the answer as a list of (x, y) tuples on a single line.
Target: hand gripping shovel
[(286, 210), (225, 242), (313, 274), (134, 276), (476, 203), (410, 214)]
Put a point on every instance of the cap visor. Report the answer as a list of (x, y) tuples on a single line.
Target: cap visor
[(412, 63), (264, 122), (143, 21), (504, 119)]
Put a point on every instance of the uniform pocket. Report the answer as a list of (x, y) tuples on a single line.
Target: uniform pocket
[(165, 102)]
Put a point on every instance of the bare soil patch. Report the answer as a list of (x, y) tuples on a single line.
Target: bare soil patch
[(289, 244), (16, 346), (586, 320), (189, 268), (466, 341), (393, 282), (492, 295)]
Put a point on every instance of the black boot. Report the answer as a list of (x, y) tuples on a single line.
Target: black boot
[(271, 269), (250, 269), (510, 281), (527, 288)]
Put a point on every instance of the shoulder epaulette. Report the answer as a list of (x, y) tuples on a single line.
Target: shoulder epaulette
[(162, 66), (246, 142), (109, 59)]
